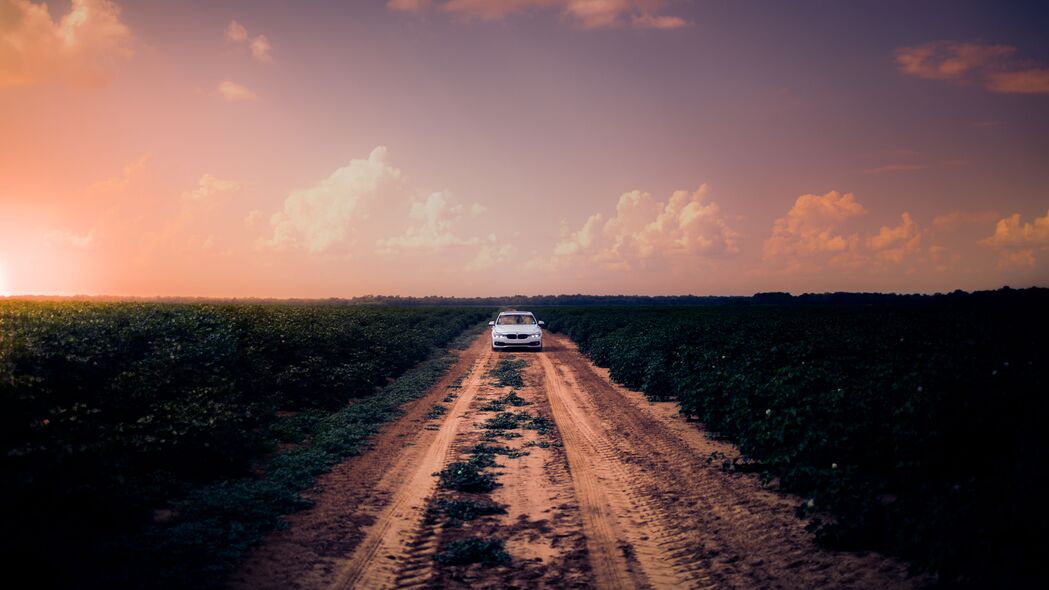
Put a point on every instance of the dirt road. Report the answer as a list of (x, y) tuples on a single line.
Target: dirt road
[(597, 488)]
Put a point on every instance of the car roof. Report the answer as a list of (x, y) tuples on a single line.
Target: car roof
[(515, 313)]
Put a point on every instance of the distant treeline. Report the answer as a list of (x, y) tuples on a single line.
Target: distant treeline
[(1005, 295)]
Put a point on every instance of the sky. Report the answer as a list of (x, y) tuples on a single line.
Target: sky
[(264, 148)]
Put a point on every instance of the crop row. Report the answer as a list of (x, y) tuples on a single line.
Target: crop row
[(114, 413), (917, 427)]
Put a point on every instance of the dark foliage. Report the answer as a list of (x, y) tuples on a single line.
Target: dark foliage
[(919, 426)]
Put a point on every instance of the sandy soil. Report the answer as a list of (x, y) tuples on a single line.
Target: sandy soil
[(619, 494)]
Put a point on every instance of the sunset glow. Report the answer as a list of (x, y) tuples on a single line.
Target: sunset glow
[(481, 148)]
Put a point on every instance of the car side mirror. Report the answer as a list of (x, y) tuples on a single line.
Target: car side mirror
[(542, 323), (491, 323)]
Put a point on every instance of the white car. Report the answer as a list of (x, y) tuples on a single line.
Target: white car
[(517, 329)]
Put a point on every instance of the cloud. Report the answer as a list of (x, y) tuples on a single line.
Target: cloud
[(893, 244), (994, 67), (81, 47), (477, 209), (644, 233), (410, 6), (71, 240), (259, 46), (956, 219), (586, 14), (209, 187), (1033, 81), (431, 231), (895, 168), (491, 255), (1016, 242), (811, 227), (319, 218), (233, 92), (260, 49), (648, 21), (236, 32)]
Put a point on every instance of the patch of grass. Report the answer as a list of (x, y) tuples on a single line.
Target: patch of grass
[(492, 406), (499, 404), (466, 477), (513, 399), (541, 424), (483, 449), (436, 412), (494, 435), (508, 373), (504, 421), (468, 509), (483, 551)]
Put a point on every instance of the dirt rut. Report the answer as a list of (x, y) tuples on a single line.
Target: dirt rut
[(618, 494)]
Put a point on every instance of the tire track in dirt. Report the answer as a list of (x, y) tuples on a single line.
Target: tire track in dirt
[(397, 544), (688, 523), (315, 546)]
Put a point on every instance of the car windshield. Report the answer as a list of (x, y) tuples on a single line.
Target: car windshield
[(515, 320)]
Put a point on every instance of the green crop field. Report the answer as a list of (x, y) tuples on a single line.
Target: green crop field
[(918, 426), (150, 444)]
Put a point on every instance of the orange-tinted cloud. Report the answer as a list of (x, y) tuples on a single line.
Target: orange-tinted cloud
[(320, 217), (587, 14), (892, 244), (411, 6), (236, 32), (81, 47), (811, 227), (233, 92), (995, 67), (819, 232), (1016, 242), (259, 46), (645, 233), (1032, 81)]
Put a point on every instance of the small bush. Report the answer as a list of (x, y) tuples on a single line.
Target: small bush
[(466, 477), (468, 509), (504, 421), (485, 551), (508, 373)]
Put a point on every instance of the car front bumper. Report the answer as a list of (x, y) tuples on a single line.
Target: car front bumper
[(524, 340)]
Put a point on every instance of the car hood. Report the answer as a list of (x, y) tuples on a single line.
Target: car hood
[(523, 329)]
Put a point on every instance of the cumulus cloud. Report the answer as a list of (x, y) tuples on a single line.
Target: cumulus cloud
[(319, 218), (1018, 243), (815, 234), (233, 92), (587, 14), (893, 244), (812, 227), (994, 67), (431, 229), (209, 187), (645, 233), (236, 32), (490, 255), (259, 45), (80, 47), (260, 48)]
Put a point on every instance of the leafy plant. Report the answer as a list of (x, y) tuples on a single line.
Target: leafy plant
[(464, 552)]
